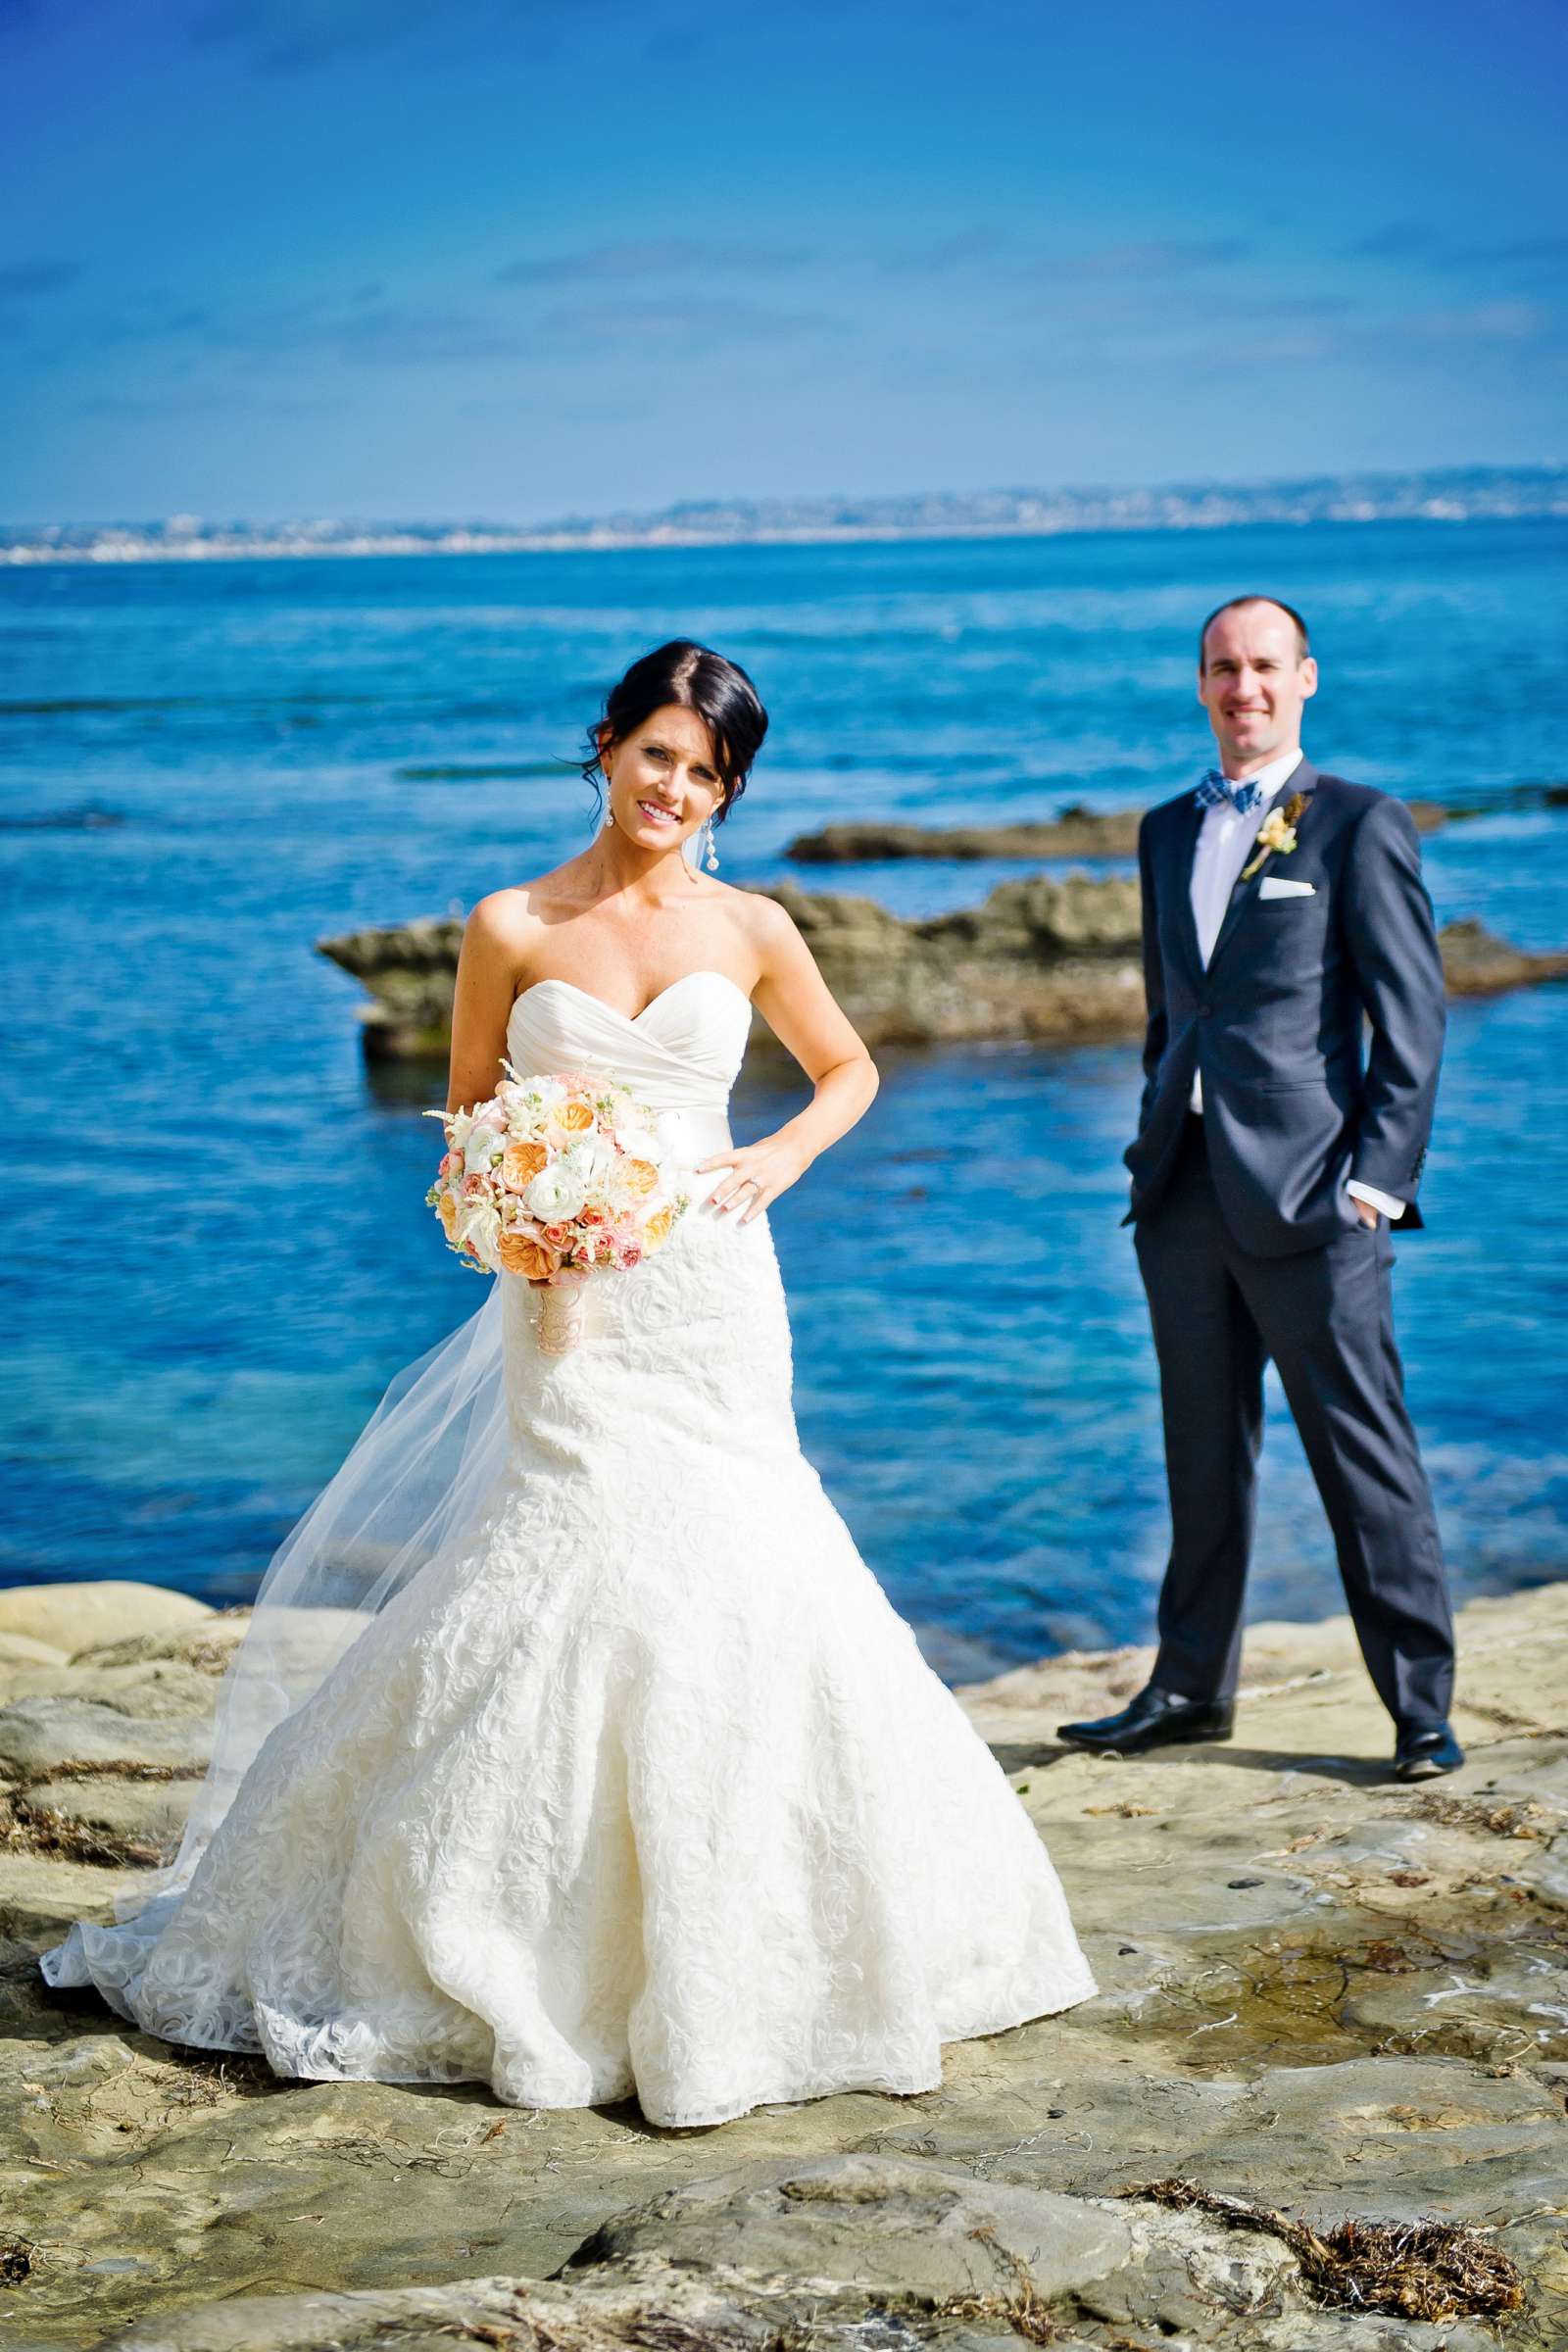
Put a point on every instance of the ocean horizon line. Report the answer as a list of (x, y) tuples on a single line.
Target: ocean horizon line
[(1438, 495)]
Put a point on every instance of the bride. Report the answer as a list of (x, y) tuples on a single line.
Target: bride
[(571, 1748)]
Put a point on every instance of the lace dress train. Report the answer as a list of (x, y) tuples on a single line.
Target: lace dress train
[(641, 1787)]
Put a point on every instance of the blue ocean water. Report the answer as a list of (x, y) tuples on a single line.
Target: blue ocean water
[(219, 1250)]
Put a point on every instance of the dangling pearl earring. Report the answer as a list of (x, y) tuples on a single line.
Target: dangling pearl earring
[(710, 852)]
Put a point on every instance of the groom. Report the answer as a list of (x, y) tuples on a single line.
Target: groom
[(1283, 908)]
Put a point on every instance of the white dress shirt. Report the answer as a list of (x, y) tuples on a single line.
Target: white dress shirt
[(1225, 841)]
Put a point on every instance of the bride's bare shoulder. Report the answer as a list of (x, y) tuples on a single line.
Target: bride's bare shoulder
[(766, 924), (518, 913)]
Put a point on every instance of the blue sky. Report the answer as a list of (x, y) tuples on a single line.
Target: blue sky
[(493, 258)]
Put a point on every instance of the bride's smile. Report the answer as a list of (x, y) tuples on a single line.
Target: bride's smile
[(663, 781)]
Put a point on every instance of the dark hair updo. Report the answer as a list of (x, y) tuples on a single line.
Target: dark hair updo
[(719, 691)]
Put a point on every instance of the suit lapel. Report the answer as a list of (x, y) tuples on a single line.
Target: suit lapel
[(1182, 849), (1301, 779)]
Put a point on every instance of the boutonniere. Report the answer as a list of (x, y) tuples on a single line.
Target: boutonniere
[(1276, 835)]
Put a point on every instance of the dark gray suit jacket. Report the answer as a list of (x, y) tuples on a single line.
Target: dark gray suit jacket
[(1292, 1106)]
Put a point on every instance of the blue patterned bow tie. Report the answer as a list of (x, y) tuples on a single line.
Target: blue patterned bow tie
[(1216, 788)]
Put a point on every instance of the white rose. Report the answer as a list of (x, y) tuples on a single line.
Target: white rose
[(588, 1160), (639, 1143), (479, 1151), (555, 1196), (480, 1224)]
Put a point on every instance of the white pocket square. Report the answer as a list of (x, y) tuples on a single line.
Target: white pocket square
[(1274, 886)]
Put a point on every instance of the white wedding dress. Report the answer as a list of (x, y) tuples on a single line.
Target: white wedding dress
[(641, 1786)]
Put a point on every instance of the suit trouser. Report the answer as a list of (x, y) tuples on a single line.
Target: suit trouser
[(1324, 1316)]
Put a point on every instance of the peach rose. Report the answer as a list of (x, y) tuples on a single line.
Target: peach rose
[(640, 1176), (519, 1253), (658, 1230), (574, 1116), (520, 1163), (447, 1211)]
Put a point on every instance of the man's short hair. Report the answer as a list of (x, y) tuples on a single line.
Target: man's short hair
[(1233, 604)]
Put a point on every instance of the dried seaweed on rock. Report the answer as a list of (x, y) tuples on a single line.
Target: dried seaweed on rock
[(30, 1828), (1410, 2270), (1023, 2311)]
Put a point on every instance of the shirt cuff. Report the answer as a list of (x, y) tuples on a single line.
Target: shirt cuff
[(1392, 1208)]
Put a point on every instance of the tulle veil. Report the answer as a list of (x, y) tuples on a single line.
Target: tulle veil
[(414, 1483)]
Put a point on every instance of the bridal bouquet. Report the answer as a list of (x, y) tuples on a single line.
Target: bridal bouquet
[(555, 1177)]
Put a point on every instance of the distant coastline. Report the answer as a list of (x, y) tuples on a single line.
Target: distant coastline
[(1452, 495)]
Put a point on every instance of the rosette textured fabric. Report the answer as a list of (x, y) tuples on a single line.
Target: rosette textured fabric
[(642, 1788)]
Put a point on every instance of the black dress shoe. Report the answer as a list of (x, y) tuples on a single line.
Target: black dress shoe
[(1155, 1718), (1421, 1755)]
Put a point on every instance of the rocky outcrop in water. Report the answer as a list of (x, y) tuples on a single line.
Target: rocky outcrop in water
[(88, 817), (1077, 832), (1038, 959), (410, 969), (1043, 957), (1324, 1994), (1476, 962)]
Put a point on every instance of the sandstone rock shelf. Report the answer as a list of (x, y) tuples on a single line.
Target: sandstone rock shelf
[(1321, 1992), (1041, 958)]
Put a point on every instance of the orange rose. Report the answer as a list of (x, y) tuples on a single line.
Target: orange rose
[(520, 1163), (574, 1115), (447, 1211), (519, 1253), (640, 1176), (657, 1231)]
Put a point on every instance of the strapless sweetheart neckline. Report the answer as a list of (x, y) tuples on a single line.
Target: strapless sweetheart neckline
[(631, 1020)]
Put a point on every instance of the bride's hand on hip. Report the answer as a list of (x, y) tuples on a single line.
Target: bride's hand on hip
[(754, 1175), (795, 1001)]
